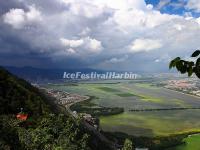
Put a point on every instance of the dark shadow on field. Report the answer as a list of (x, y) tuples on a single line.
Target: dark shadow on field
[(137, 131), (152, 143)]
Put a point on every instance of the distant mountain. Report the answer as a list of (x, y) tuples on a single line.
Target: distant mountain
[(38, 74)]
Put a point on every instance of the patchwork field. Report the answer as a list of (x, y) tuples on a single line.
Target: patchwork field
[(140, 96)]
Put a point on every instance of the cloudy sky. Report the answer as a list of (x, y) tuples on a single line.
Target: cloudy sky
[(134, 35)]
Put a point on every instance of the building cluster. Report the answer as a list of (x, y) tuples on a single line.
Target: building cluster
[(197, 93), (190, 86), (65, 98), (183, 85), (93, 121)]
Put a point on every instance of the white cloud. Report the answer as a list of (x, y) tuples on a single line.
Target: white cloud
[(93, 45), (149, 7), (85, 31), (142, 19), (84, 8), (162, 3), (179, 27), (157, 60), (71, 43), (86, 44), (193, 5), (15, 17), (143, 44), (117, 60), (198, 20), (122, 4), (33, 14), (18, 17), (163, 58), (71, 51)]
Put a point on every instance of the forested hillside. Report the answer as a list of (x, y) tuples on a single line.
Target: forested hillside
[(16, 93), (44, 128)]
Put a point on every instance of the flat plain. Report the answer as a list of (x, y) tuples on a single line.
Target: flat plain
[(141, 96)]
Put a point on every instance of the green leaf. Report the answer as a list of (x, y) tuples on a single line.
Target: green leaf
[(196, 71), (183, 69), (198, 62), (179, 65), (177, 59), (173, 62), (191, 63), (197, 68), (190, 71), (196, 53)]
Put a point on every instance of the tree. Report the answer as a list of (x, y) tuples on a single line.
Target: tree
[(189, 67), (128, 145), (57, 132)]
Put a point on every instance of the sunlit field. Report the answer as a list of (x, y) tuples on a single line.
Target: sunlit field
[(191, 143), (140, 96)]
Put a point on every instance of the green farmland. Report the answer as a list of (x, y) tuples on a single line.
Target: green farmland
[(191, 143), (141, 96)]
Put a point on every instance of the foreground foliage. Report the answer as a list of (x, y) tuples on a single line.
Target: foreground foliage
[(128, 145), (185, 66), (51, 132), (45, 127), (153, 143)]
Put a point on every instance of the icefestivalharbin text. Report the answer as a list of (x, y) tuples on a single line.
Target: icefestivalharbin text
[(95, 75)]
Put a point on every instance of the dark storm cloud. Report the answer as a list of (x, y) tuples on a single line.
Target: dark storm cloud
[(10, 41), (6, 5), (77, 33)]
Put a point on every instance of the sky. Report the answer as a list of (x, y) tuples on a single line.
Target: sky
[(133, 35)]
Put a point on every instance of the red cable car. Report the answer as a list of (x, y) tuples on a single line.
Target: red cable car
[(22, 116)]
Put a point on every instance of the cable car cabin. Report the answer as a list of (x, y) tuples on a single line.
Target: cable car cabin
[(22, 117)]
